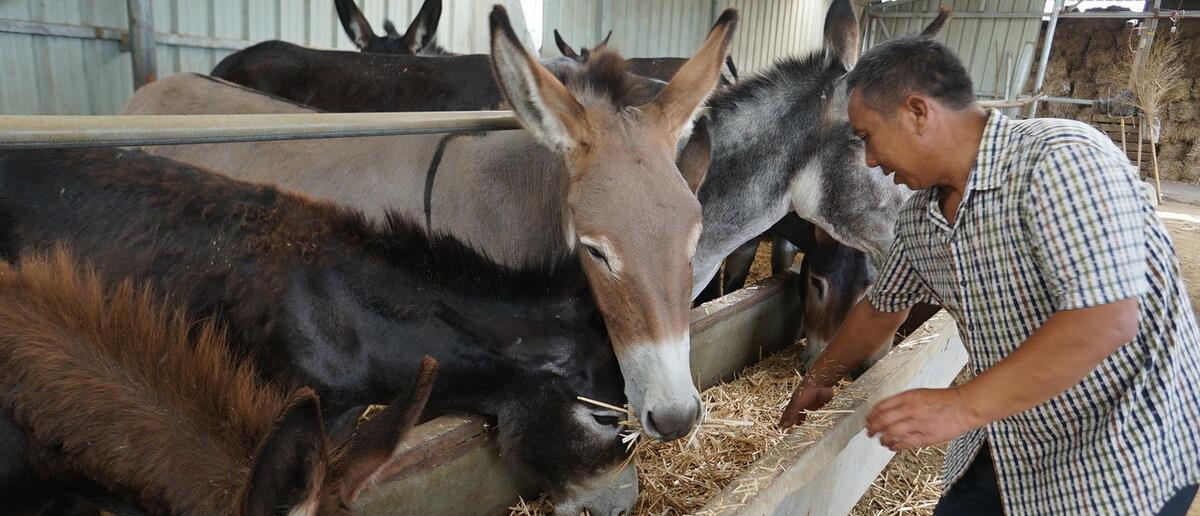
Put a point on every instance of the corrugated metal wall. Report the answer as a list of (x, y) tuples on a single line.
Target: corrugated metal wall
[(991, 48), (769, 29), (62, 75)]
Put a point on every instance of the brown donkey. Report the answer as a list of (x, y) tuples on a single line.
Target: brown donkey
[(108, 388), (594, 176)]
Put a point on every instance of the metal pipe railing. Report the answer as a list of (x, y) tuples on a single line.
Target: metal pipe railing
[(1160, 14), (1044, 60), (141, 42), (54, 131)]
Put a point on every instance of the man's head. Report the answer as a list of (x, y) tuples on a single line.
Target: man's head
[(906, 101)]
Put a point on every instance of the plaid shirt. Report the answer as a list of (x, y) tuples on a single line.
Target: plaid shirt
[(1054, 218)]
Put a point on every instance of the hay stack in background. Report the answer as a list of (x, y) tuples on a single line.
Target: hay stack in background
[(1155, 82)]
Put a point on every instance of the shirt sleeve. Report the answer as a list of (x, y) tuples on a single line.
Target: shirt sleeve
[(1086, 216), (899, 287)]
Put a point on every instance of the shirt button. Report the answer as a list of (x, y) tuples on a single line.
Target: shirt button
[(963, 283), (954, 239)]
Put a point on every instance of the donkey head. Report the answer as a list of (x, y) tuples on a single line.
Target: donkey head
[(835, 277), (628, 207), (295, 472), (418, 39), (840, 194)]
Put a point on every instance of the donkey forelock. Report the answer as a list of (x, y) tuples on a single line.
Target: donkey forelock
[(606, 78)]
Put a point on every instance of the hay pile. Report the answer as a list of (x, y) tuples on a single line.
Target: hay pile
[(679, 477), (910, 485)]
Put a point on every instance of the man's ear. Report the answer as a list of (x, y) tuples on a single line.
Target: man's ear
[(916, 109)]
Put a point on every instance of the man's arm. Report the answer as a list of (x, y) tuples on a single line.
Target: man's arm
[(854, 342), (1056, 357)]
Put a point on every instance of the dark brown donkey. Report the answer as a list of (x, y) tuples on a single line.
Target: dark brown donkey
[(593, 177), (417, 40), (109, 387), (319, 297)]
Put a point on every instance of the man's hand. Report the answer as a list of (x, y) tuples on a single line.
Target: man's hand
[(856, 340), (921, 417), (808, 396)]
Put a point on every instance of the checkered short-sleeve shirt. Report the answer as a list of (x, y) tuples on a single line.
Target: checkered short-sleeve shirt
[(1054, 218)]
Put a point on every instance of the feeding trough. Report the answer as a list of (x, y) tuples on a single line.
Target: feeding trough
[(451, 465)]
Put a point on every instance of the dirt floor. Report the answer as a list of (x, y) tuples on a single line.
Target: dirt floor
[(911, 483)]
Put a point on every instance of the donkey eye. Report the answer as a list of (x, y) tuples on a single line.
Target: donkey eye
[(596, 254)]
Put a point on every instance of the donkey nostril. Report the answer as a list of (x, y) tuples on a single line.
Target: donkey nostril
[(673, 423)]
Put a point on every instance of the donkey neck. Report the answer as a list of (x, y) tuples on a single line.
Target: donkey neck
[(761, 147), (358, 327)]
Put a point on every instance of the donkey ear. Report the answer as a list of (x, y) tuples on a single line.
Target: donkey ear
[(355, 24), (693, 161), (373, 447), (935, 26), (289, 467), (731, 69), (543, 105), (563, 47), (841, 33), (604, 42), (421, 31), (389, 28), (677, 103)]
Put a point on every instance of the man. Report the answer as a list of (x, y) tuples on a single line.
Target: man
[(1038, 237)]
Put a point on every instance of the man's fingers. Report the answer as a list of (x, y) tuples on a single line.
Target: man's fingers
[(880, 419), (896, 401), (791, 413), (806, 397)]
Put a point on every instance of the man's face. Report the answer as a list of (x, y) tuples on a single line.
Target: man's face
[(891, 143)]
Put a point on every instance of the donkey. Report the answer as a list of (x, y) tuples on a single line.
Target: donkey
[(316, 295), (660, 68), (593, 177), (417, 40), (110, 388), (782, 142), (834, 277), (343, 81)]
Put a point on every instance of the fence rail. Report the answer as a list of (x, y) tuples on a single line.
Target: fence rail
[(53, 131)]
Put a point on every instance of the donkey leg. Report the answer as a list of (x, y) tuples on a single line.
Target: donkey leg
[(783, 254), (710, 292), (737, 265)]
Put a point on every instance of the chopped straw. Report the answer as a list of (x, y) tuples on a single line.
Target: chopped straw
[(680, 476), (910, 485)]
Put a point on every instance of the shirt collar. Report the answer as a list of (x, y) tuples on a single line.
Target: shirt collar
[(988, 172)]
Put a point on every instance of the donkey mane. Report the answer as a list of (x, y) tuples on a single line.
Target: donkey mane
[(453, 264), (133, 394), (793, 77), (606, 77)]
